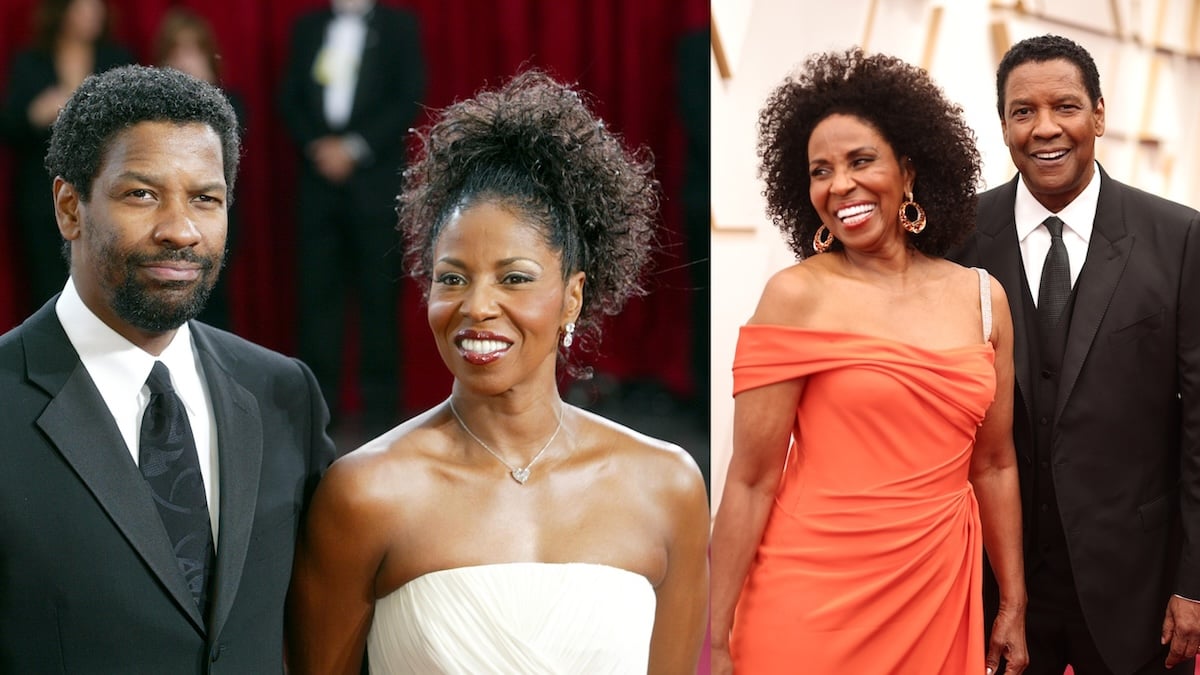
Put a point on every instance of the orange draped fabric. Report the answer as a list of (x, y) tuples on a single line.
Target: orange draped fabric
[(871, 560)]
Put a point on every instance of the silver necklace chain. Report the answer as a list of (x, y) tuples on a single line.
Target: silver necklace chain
[(518, 473)]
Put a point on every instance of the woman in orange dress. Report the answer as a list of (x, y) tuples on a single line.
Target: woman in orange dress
[(873, 459)]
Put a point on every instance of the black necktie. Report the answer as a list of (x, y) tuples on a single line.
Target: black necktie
[(167, 458), (1055, 288)]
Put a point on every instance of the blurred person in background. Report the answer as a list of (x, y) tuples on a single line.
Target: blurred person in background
[(350, 92), (70, 42)]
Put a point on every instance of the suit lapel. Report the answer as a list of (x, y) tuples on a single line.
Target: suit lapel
[(240, 448), (1000, 254), (314, 40), (1108, 253), (367, 64), (78, 423)]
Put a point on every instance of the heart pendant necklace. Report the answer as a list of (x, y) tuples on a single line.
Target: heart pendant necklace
[(518, 473)]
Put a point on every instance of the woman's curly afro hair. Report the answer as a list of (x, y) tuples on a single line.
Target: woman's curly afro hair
[(904, 105), (535, 147)]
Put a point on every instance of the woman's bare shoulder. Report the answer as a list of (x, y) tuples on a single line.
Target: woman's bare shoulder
[(792, 294), (386, 470), (657, 465), (962, 276)]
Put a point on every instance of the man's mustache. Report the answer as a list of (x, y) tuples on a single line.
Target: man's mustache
[(174, 255)]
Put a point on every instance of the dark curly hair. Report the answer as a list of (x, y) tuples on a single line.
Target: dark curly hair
[(1047, 48), (910, 112), (115, 100), (533, 145)]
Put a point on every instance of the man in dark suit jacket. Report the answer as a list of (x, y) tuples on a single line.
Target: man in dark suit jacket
[(353, 83), (1107, 406), (91, 578)]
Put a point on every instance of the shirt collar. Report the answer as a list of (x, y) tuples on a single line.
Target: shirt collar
[(114, 363), (361, 11), (1078, 216)]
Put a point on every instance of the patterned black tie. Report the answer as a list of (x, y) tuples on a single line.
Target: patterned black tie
[(1056, 278), (167, 458)]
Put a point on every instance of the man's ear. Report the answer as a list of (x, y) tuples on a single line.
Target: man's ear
[(67, 209)]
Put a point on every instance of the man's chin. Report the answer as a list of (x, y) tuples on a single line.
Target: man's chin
[(161, 311)]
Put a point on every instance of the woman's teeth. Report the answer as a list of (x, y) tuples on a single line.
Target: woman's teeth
[(853, 215), (483, 346)]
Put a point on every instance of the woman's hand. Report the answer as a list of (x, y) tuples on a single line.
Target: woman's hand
[(44, 108)]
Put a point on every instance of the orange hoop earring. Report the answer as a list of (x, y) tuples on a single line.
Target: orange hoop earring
[(822, 245), (914, 225)]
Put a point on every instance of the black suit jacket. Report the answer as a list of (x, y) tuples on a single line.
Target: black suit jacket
[(1125, 453), (88, 580), (391, 83)]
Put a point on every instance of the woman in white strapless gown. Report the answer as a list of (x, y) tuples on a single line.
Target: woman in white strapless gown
[(505, 531)]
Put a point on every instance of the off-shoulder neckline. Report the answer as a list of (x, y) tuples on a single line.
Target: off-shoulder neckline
[(864, 336)]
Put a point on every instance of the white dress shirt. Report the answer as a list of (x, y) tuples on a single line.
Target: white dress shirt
[(337, 64), (119, 370), (1077, 217)]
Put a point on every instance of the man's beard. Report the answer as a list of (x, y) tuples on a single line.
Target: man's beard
[(153, 309)]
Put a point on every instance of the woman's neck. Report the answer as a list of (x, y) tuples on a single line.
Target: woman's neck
[(74, 60), (895, 262), (514, 423)]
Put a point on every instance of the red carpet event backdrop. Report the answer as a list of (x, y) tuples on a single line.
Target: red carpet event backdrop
[(623, 52)]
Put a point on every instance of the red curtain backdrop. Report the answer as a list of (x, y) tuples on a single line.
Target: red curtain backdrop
[(623, 52)]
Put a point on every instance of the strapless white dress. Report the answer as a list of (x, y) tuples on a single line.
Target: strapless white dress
[(518, 618)]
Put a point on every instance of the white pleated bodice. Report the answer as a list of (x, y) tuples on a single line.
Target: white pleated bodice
[(518, 618)]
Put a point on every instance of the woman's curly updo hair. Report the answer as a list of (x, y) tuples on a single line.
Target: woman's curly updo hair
[(534, 146), (911, 113)]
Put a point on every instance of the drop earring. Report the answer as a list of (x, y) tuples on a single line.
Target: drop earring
[(916, 224), (821, 243), (568, 338)]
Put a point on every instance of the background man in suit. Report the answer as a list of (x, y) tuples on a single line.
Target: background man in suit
[(96, 574), (1107, 406), (353, 82)]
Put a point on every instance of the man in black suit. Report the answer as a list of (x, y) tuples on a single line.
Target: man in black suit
[(1107, 359), (350, 93), (95, 573)]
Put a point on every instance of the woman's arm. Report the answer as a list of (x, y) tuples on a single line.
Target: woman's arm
[(762, 428), (682, 596), (332, 596), (994, 477)]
